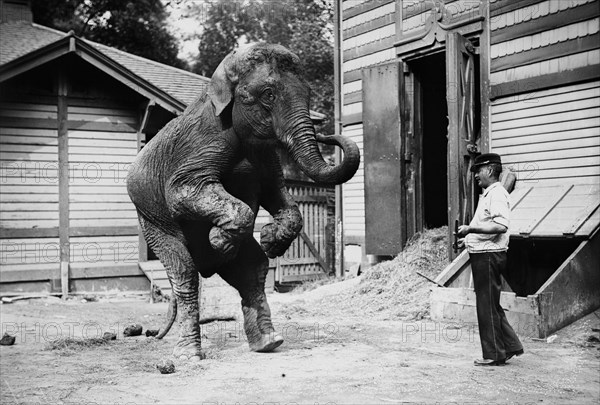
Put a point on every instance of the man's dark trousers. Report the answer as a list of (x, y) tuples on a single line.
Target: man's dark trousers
[(496, 335)]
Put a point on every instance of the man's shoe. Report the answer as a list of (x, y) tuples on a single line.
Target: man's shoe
[(489, 362), (517, 353)]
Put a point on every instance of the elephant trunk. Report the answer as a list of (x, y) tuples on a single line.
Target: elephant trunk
[(303, 148)]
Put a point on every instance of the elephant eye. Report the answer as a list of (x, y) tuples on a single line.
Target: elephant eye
[(268, 95)]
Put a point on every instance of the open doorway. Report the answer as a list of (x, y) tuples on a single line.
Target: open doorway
[(432, 125)]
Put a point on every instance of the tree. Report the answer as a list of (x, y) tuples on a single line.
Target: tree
[(303, 26), (137, 27)]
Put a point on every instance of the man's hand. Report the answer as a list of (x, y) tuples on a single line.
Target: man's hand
[(464, 230), (461, 243)]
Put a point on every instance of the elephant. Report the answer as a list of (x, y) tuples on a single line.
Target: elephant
[(198, 184)]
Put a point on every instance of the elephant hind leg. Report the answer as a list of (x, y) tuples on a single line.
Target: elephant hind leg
[(247, 274), (184, 279)]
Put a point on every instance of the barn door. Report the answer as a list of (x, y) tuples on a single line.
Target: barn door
[(463, 127), (385, 206)]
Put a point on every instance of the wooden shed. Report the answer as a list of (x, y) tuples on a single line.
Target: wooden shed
[(73, 115), (428, 85)]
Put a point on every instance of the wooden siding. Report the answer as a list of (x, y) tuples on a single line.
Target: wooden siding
[(353, 191), (369, 30), (550, 136), (102, 145), (544, 39), (29, 197)]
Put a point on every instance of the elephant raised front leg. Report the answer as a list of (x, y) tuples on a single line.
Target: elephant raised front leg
[(247, 274), (233, 220)]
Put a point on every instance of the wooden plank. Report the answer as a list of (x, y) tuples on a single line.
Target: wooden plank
[(370, 25), (451, 271), (103, 231), (504, 6), (113, 214), (101, 126), (28, 106), (29, 272), (543, 213), (27, 114), (104, 270), (548, 109), (555, 95), (28, 140), (37, 123), (363, 8), (83, 223), (112, 136), (545, 23), (549, 128), (552, 51), (63, 181), (578, 222), (369, 48), (554, 118), (586, 135), (546, 81), (573, 287)]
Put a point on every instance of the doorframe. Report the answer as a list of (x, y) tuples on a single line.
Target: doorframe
[(432, 41)]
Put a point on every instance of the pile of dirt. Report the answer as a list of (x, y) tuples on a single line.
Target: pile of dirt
[(393, 289)]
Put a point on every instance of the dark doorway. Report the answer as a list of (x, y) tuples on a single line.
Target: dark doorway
[(430, 74)]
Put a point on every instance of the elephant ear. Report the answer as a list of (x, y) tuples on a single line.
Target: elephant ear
[(222, 83)]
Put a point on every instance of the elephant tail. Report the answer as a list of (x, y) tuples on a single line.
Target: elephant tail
[(171, 316)]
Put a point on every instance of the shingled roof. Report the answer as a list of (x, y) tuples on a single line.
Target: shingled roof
[(20, 38)]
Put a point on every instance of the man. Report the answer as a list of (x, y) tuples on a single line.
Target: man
[(487, 242)]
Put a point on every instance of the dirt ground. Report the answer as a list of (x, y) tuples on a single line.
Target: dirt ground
[(331, 355)]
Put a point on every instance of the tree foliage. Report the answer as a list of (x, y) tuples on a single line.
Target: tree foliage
[(137, 27), (303, 26)]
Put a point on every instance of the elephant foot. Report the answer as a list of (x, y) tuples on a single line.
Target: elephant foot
[(190, 352), (267, 343)]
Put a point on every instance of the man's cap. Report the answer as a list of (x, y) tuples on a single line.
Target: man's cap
[(485, 159)]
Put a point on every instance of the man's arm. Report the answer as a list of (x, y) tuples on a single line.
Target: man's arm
[(488, 228)]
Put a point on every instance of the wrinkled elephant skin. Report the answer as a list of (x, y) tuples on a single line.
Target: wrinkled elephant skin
[(198, 185)]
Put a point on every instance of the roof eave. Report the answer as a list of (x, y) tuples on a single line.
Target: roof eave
[(71, 43)]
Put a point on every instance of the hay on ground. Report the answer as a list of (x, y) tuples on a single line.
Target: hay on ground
[(394, 289)]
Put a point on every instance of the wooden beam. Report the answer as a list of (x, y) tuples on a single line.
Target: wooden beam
[(370, 25), (350, 119), (504, 6), (34, 59), (553, 51), (367, 49), (104, 231), (63, 179), (8, 233), (364, 7), (538, 220), (544, 82), (572, 290), (547, 22), (314, 251)]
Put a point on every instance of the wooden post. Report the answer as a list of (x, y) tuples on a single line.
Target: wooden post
[(338, 74), (141, 140), (63, 180)]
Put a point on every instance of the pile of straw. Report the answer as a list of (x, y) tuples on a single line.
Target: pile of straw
[(393, 289)]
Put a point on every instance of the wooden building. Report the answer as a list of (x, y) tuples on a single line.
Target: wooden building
[(73, 115), (427, 85)]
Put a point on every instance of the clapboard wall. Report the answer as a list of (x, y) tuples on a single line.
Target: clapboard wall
[(100, 122), (545, 116), (29, 189), (368, 34)]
